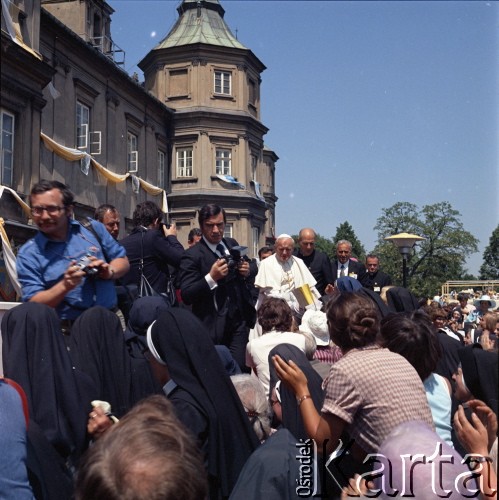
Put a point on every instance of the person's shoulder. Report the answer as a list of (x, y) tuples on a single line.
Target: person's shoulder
[(29, 247), (196, 251), (319, 254)]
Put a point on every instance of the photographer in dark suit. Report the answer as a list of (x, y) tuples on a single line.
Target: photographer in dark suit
[(156, 243), (213, 278)]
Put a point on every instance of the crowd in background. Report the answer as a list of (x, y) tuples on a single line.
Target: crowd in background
[(137, 369)]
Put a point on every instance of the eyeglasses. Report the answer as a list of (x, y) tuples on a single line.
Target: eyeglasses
[(51, 210)]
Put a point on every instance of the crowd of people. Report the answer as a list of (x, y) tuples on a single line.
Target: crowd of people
[(138, 369)]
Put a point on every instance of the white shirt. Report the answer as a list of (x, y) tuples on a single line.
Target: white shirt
[(257, 352)]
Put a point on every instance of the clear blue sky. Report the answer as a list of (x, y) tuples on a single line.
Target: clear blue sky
[(368, 104)]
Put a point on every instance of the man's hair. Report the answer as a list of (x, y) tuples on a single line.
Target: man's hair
[(275, 314), (265, 250), (146, 213), (344, 242), (310, 345), (436, 312), (255, 403), (412, 336), (462, 296), (490, 319), (210, 210), (195, 231), (101, 210), (372, 256), (45, 185), (148, 455), (353, 321)]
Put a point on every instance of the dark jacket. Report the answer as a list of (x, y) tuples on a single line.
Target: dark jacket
[(376, 281), (319, 265), (158, 252), (354, 267), (232, 296)]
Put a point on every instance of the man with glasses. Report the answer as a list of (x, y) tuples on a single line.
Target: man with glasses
[(65, 344), (67, 266)]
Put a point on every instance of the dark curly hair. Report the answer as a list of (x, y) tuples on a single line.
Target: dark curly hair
[(412, 336), (353, 321), (275, 314), (146, 213), (44, 185)]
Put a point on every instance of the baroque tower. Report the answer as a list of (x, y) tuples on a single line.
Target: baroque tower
[(212, 81)]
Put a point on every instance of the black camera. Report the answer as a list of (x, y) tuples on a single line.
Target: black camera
[(236, 255), (163, 224), (84, 265)]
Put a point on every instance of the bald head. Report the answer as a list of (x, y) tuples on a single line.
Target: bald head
[(284, 246), (306, 241)]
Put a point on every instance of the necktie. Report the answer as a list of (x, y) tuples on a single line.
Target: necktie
[(221, 249), (342, 272)]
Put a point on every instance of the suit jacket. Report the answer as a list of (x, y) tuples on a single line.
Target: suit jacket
[(377, 281), (319, 265), (354, 267), (158, 251), (232, 296)]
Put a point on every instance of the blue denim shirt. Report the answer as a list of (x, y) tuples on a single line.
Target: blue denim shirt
[(42, 262)]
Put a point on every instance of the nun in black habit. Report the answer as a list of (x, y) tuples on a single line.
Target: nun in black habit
[(203, 396), (35, 356), (143, 313), (480, 373), (291, 415)]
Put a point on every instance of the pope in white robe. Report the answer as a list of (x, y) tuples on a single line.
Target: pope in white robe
[(281, 273)]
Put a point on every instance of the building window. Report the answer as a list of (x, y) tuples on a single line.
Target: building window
[(228, 231), (82, 125), (184, 162), (161, 169), (7, 149), (132, 153), (255, 233), (223, 161), (223, 84), (252, 92), (254, 163)]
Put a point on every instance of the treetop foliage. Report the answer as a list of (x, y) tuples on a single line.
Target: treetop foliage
[(437, 259), (489, 270)]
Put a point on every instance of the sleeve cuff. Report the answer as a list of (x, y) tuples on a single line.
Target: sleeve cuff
[(211, 282)]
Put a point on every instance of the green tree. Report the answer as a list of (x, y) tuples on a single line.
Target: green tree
[(489, 270), (440, 257), (345, 232)]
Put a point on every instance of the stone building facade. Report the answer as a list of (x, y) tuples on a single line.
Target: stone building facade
[(191, 131)]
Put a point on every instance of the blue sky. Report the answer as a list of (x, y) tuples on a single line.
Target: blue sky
[(368, 104)]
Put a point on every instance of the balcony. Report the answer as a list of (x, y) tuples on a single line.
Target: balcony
[(106, 45)]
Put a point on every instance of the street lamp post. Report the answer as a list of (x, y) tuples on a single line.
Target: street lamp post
[(405, 243)]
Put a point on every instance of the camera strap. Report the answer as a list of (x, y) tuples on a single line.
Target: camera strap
[(87, 224)]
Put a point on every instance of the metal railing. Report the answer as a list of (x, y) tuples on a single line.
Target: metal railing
[(106, 45), (458, 286)]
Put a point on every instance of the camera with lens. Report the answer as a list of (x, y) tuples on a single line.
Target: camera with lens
[(163, 225), (236, 255), (84, 265)]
